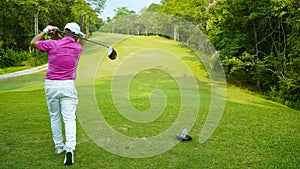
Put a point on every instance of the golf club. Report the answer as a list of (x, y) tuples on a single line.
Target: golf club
[(112, 54)]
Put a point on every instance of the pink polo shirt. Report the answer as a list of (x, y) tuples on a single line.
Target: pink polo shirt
[(63, 57)]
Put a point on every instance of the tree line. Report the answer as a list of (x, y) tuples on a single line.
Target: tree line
[(21, 20), (258, 41)]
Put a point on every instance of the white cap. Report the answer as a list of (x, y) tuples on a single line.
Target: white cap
[(74, 27)]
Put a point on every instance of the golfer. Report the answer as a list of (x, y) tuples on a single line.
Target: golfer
[(60, 89)]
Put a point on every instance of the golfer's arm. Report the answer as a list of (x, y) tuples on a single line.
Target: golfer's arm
[(36, 39)]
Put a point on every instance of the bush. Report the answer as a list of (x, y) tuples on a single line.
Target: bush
[(11, 58), (36, 59)]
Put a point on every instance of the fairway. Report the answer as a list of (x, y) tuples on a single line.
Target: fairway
[(252, 133)]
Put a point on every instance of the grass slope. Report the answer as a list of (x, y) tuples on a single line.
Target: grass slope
[(253, 132)]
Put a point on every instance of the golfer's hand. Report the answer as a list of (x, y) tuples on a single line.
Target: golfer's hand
[(56, 34), (50, 29)]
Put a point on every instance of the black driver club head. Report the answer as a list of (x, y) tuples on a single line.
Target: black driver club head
[(112, 54)]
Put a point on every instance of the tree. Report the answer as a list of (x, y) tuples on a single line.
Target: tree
[(153, 8), (193, 11), (260, 38), (21, 20), (121, 22), (86, 12), (122, 12)]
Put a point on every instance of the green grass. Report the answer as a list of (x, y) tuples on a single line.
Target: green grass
[(253, 132), (12, 69)]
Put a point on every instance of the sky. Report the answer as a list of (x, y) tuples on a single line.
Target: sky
[(135, 5)]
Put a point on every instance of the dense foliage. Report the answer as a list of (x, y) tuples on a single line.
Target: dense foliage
[(22, 19), (260, 38)]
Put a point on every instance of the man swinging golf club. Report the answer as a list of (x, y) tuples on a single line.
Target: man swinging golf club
[(60, 89)]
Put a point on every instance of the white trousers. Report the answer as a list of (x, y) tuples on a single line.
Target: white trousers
[(62, 101)]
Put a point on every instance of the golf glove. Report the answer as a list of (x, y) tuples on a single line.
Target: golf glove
[(49, 29)]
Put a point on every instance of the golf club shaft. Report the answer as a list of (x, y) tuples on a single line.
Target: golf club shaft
[(83, 38)]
